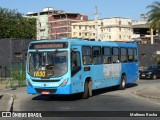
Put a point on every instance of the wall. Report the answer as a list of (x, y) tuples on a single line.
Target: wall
[(147, 54)]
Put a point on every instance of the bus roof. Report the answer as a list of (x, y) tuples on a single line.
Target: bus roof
[(84, 42)]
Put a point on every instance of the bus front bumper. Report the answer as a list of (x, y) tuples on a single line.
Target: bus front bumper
[(58, 91)]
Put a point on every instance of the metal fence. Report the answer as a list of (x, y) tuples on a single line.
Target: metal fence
[(12, 76), (12, 62)]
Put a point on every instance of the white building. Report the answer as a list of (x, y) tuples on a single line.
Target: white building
[(42, 22), (110, 29)]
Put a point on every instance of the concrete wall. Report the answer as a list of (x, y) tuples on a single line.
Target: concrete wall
[(12, 50), (148, 54)]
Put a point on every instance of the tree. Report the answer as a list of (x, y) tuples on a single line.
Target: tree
[(14, 25), (154, 16)]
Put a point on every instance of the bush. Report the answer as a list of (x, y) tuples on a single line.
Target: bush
[(18, 76)]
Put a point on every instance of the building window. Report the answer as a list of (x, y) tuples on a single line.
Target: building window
[(85, 34), (109, 37), (129, 37), (101, 23), (129, 23), (80, 34), (85, 27), (119, 36), (79, 27)]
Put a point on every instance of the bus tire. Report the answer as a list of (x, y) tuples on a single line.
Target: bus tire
[(122, 85), (90, 88), (86, 91)]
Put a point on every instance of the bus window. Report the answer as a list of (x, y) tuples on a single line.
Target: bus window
[(75, 62), (106, 55), (130, 55), (123, 55), (86, 55), (96, 54), (135, 55), (115, 55)]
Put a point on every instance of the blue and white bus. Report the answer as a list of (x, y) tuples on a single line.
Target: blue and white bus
[(70, 66)]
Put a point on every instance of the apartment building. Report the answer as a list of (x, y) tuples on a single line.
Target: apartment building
[(42, 22), (110, 29), (60, 23), (54, 24)]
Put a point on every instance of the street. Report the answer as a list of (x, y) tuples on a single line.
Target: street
[(109, 99)]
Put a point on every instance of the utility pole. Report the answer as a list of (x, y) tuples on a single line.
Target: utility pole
[(96, 23), (152, 40)]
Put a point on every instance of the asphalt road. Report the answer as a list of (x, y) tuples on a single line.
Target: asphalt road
[(109, 99)]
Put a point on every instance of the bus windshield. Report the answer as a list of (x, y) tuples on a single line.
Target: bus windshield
[(48, 64)]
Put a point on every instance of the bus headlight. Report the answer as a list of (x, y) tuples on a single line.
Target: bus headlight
[(64, 82), (28, 82)]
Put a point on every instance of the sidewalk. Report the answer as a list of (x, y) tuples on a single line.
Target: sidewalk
[(150, 92), (6, 100), (7, 95)]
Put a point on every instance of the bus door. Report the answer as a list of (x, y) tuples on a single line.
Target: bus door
[(76, 71)]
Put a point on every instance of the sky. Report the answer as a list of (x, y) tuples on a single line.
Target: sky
[(106, 8)]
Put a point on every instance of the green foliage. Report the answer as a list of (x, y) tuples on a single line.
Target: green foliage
[(154, 16), (14, 25), (18, 76)]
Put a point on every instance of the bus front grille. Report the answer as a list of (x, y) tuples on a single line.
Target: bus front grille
[(45, 80)]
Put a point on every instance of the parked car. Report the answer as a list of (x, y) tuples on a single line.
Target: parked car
[(152, 72)]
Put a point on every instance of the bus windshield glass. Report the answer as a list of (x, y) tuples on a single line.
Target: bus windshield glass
[(48, 64)]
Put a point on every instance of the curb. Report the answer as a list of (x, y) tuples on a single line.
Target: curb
[(145, 96), (10, 103), (7, 89)]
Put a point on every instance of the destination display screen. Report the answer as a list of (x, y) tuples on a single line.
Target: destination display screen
[(56, 45)]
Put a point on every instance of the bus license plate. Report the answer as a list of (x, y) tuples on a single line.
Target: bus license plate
[(45, 92)]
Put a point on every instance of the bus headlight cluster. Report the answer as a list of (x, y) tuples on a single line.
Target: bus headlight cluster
[(64, 82), (28, 83)]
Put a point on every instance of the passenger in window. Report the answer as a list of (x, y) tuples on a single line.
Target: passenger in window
[(118, 60), (109, 59), (84, 60)]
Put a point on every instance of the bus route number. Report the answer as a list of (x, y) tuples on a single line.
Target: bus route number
[(39, 74)]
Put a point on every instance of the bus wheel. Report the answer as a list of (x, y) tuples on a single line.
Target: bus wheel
[(123, 83), (86, 91), (90, 88)]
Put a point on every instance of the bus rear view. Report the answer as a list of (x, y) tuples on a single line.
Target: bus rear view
[(47, 68)]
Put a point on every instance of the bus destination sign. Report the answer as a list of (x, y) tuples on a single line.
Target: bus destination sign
[(58, 45)]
